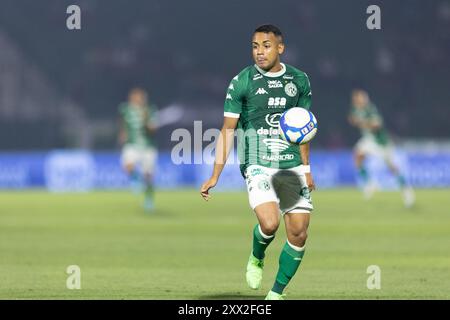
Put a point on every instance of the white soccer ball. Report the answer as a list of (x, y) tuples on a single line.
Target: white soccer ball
[(297, 125)]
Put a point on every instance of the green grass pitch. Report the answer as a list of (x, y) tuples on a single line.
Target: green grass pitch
[(191, 249)]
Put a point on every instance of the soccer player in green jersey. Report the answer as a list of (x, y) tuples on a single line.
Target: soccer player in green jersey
[(137, 129), (277, 173), (375, 141)]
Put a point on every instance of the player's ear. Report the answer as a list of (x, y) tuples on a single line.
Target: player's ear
[(280, 48)]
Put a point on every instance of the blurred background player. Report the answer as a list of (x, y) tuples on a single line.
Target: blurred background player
[(139, 154), (375, 141)]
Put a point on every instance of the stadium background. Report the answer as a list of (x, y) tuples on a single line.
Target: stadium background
[(60, 89)]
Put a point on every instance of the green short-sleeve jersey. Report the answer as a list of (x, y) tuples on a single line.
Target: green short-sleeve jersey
[(135, 121), (258, 99), (370, 114)]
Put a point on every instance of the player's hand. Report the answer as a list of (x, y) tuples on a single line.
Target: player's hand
[(204, 191), (309, 181)]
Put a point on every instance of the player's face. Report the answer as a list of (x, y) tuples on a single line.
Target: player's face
[(267, 48), (138, 98), (360, 99)]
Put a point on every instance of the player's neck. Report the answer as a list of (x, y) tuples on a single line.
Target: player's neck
[(276, 68)]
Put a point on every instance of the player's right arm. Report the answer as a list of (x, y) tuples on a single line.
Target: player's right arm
[(151, 119), (122, 133), (233, 108), (223, 148), (352, 120)]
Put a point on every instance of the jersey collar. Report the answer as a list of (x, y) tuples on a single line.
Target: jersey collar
[(272, 74)]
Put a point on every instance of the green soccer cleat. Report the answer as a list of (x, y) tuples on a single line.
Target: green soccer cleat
[(254, 272), (274, 296)]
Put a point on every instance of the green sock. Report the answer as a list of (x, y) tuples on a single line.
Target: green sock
[(401, 181), (362, 171), (289, 262), (135, 176), (260, 243), (149, 190)]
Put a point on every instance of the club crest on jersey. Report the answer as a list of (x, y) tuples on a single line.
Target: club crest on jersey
[(261, 91), (290, 89), (264, 185), (274, 84)]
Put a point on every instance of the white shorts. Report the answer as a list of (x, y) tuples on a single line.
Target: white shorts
[(143, 157), (368, 146), (287, 187)]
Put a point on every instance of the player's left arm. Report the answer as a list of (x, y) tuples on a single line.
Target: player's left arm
[(305, 93), (150, 123), (304, 154), (304, 101)]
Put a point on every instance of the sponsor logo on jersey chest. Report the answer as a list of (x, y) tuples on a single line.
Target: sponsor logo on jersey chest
[(274, 84), (276, 102), (278, 157), (272, 120)]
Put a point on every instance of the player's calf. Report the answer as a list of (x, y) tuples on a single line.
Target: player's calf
[(292, 254)]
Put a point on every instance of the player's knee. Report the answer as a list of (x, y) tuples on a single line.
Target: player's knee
[(299, 237), (269, 226), (392, 167), (129, 167), (358, 158), (148, 176)]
